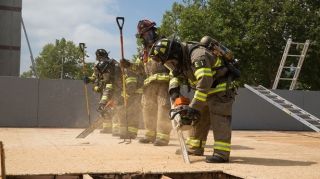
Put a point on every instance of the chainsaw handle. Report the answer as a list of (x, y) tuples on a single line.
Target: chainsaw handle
[(175, 112)]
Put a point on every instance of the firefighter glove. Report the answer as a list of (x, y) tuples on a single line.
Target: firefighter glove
[(125, 63)]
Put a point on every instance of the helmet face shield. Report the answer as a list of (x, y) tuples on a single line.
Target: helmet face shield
[(148, 37)]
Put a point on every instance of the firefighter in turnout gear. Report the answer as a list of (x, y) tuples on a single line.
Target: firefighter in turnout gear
[(207, 67), (105, 79), (134, 82), (155, 100)]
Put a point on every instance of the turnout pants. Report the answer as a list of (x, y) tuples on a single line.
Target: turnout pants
[(218, 115), (129, 122), (155, 110)]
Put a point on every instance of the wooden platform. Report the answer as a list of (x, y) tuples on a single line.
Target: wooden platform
[(255, 154)]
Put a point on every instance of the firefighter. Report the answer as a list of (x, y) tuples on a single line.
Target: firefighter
[(105, 79), (155, 99), (206, 67), (129, 124)]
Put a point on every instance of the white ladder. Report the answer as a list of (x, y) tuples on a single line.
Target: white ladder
[(286, 106), (296, 69)]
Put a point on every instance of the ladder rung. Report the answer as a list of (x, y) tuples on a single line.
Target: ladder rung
[(297, 43), (304, 116), (313, 122), (259, 88), (264, 92), (295, 55), (294, 110), (291, 67), (285, 78), (288, 106)]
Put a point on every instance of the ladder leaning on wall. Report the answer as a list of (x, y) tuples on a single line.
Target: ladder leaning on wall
[(286, 106), (296, 68)]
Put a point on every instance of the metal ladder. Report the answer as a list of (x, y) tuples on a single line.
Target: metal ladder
[(297, 68), (286, 106)]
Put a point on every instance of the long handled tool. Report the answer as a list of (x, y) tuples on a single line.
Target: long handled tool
[(84, 69), (3, 168), (120, 22)]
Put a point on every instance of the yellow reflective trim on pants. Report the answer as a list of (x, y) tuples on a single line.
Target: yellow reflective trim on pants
[(133, 129), (194, 143), (203, 144), (139, 91), (203, 72), (115, 125), (222, 143), (109, 86), (222, 146), (150, 134), (200, 96), (188, 140), (106, 125), (131, 80), (157, 77), (130, 129), (163, 136)]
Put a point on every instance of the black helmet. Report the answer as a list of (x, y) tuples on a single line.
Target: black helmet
[(101, 53), (165, 49)]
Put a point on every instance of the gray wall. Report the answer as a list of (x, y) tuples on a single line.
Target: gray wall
[(252, 112), (10, 37), (44, 103), (61, 103)]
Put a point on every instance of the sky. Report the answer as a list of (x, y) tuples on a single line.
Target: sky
[(89, 21)]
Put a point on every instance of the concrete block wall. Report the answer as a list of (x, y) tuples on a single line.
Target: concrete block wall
[(61, 103)]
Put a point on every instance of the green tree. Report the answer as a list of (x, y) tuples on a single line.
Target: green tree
[(63, 59), (256, 32)]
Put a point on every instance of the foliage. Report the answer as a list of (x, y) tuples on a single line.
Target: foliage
[(256, 32), (60, 60)]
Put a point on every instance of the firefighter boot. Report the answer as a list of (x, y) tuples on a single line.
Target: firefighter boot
[(129, 135), (146, 140), (115, 130), (216, 158), (160, 142), (106, 131), (195, 151), (106, 128)]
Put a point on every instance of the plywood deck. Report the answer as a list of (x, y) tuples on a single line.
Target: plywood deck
[(255, 154)]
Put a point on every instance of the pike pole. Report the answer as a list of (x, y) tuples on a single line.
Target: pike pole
[(120, 22), (84, 70)]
